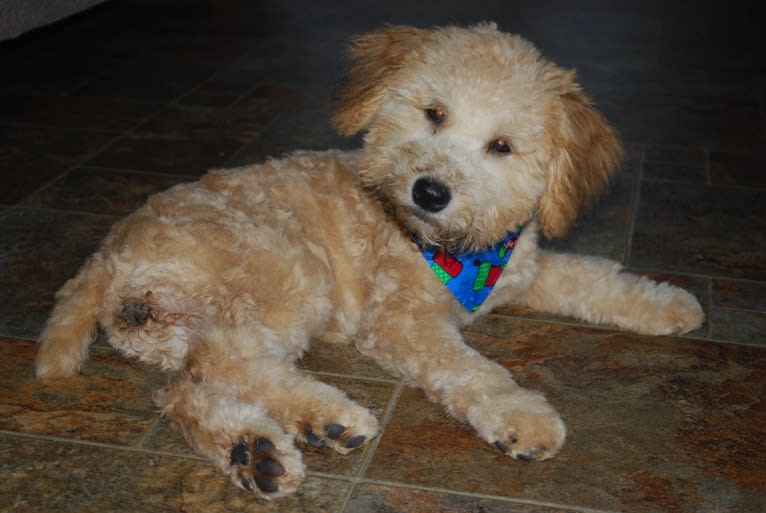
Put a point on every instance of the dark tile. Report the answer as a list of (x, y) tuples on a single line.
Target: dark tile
[(304, 124), (740, 294), (151, 80), (698, 229), (742, 327), (31, 157), (109, 402), (603, 229), (47, 476), (71, 112), (748, 170), (215, 93), (658, 420), (676, 155), (53, 71), (719, 122), (675, 173), (371, 498), (101, 191), (39, 251), (173, 155)]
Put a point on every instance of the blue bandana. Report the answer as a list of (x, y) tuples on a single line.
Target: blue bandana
[(472, 275)]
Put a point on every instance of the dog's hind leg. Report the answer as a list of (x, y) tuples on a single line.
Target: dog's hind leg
[(596, 290), (64, 342), (239, 438), (263, 374)]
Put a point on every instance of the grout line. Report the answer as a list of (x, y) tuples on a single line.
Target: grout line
[(101, 445), (709, 328), (372, 449), (149, 433), (498, 498), (387, 381), (21, 206), (635, 205)]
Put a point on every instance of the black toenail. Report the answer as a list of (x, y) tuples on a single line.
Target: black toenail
[(313, 439), (265, 484), (356, 441), (514, 440), (263, 445), (334, 430), (239, 454), (525, 456), (500, 445), (246, 484), (270, 467)]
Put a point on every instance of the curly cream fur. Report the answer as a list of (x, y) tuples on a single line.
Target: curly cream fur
[(227, 279)]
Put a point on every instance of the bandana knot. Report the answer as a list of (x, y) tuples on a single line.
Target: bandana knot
[(471, 275)]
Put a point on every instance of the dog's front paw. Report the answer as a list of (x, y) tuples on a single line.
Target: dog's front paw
[(521, 424), (258, 466), (347, 428), (675, 311)]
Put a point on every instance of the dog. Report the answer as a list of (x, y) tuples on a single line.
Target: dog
[(473, 145)]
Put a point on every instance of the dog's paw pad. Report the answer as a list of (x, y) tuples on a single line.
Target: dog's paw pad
[(256, 466), (334, 431), (355, 442)]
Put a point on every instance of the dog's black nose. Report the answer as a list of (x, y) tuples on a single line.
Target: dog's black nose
[(430, 194)]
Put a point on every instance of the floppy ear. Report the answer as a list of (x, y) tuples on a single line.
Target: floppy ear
[(585, 151), (376, 57)]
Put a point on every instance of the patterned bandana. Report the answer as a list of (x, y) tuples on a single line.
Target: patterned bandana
[(471, 276)]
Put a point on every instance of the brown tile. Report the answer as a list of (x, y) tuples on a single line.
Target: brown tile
[(109, 402), (740, 294), (374, 396), (31, 157), (46, 476), (101, 191), (657, 422), (738, 169), (65, 111), (739, 326), (369, 498), (699, 229), (39, 251), (343, 359), (171, 155)]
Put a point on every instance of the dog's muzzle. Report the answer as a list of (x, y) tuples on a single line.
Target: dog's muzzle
[(430, 194)]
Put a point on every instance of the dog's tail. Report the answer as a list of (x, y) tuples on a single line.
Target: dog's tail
[(63, 344)]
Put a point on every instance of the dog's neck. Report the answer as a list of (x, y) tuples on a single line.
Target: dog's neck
[(471, 275)]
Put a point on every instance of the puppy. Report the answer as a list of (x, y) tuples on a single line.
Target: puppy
[(473, 145)]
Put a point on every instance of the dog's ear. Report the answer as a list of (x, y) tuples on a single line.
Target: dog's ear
[(377, 56), (585, 150)]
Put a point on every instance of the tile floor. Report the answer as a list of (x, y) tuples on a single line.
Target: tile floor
[(131, 97)]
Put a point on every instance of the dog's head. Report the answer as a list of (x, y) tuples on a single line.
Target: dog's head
[(471, 133)]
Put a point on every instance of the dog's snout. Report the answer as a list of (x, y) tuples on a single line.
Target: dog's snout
[(430, 194)]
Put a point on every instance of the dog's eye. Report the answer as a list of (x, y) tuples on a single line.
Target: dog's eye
[(436, 114), (500, 146)]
